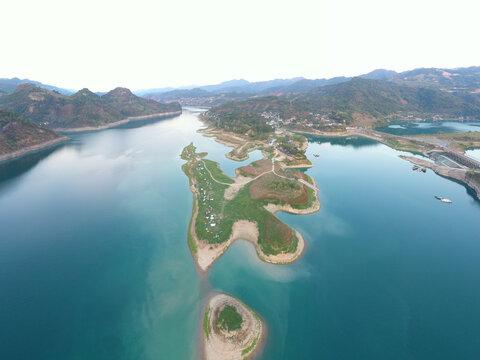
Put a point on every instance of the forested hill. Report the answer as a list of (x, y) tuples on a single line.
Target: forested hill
[(17, 133), (81, 109), (349, 101), (378, 98)]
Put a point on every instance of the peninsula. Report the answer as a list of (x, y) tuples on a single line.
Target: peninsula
[(244, 207)]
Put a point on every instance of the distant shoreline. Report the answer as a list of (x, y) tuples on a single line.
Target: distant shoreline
[(120, 122), (32, 149), (47, 144)]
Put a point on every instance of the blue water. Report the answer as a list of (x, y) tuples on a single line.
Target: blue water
[(94, 262), (429, 127)]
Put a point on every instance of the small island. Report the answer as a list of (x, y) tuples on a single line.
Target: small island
[(226, 209), (231, 330)]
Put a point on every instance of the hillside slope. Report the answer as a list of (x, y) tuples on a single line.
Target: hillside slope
[(17, 134), (81, 109), (349, 101)]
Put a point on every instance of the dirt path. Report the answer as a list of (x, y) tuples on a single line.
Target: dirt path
[(211, 175)]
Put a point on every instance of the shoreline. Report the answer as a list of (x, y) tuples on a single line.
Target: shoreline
[(120, 122), (205, 254), (32, 149), (460, 175)]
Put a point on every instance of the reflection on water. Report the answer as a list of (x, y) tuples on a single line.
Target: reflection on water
[(353, 141), (11, 169)]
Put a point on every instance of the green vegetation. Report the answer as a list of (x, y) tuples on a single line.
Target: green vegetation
[(191, 241), (206, 323), (358, 101), (218, 174), (17, 133), (216, 215), (188, 152), (413, 146), (292, 145), (229, 319), (250, 347), (238, 119), (83, 108), (460, 141), (280, 185)]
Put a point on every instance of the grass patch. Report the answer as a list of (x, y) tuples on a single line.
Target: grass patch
[(216, 215), (218, 174), (206, 323), (191, 242), (250, 348), (229, 319)]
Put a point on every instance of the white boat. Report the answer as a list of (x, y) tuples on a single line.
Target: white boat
[(442, 199)]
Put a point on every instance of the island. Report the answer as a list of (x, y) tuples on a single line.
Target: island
[(226, 209), (231, 329)]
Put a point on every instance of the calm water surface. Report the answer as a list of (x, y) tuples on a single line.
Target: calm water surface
[(429, 127), (94, 262)]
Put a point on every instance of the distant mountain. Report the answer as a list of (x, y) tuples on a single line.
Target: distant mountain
[(380, 74), (459, 80), (9, 85), (196, 97), (256, 87), (231, 84), (17, 133), (129, 104), (144, 92), (81, 109), (304, 85)]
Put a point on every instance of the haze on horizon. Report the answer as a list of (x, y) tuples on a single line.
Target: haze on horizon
[(151, 44)]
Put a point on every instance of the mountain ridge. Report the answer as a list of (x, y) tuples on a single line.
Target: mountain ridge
[(84, 108)]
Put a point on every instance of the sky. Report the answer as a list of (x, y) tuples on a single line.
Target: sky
[(145, 44)]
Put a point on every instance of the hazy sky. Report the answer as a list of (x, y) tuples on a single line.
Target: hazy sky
[(102, 44)]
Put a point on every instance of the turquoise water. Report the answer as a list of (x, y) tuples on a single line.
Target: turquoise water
[(429, 127), (94, 262)]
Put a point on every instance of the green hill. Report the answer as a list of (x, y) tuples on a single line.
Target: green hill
[(378, 99), (81, 109), (129, 104), (350, 101), (17, 133)]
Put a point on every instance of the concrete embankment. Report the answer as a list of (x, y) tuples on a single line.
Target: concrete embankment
[(461, 175)]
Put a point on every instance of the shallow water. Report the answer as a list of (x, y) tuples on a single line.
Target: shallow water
[(94, 261)]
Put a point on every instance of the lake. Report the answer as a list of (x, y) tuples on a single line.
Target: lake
[(94, 262)]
